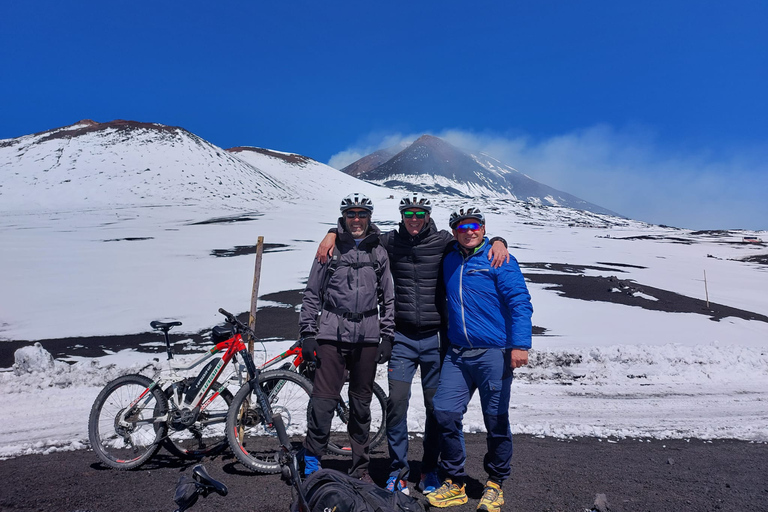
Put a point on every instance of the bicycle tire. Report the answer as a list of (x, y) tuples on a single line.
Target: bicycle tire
[(339, 439), (130, 445), (207, 435), (256, 446)]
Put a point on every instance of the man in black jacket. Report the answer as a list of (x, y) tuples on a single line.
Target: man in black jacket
[(415, 251), (347, 324)]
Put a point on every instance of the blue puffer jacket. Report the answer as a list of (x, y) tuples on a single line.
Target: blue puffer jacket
[(487, 307)]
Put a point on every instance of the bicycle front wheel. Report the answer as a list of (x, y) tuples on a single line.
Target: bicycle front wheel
[(339, 440), (254, 443), (128, 421), (207, 435)]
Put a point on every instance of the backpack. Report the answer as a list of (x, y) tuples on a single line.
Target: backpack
[(329, 490), (336, 262)]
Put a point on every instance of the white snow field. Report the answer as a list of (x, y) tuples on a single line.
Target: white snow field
[(72, 267)]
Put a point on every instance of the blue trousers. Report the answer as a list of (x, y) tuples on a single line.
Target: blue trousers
[(491, 375), (408, 355)]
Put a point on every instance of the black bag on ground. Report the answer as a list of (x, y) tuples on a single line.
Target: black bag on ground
[(186, 492), (329, 489)]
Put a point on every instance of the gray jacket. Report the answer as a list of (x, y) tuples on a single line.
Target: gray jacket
[(359, 302)]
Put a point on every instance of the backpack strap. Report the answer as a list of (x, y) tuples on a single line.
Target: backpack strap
[(334, 264), (379, 272), (351, 315)]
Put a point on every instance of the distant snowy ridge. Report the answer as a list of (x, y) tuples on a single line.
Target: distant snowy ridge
[(92, 165), (306, 178)]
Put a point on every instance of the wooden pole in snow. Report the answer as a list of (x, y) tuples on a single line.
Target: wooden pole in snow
[(706, 293), (255, 291)]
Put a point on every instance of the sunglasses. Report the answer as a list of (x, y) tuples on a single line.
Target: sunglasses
[(360, 215), (463, 228), (410, 214)]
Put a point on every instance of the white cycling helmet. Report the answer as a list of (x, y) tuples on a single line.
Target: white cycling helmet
[(356, 200), (416, 200), (466, 212)]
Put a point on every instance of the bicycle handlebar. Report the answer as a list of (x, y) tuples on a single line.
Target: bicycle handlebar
[(233, 320), (230, 317)]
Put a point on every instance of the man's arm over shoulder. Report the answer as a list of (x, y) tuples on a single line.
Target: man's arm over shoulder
[(327, 244), (511, 284)]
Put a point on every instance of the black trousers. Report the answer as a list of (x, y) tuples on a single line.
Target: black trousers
[(333, 360)]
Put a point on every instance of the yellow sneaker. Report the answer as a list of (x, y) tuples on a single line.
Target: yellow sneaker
[(493, 498), (448, 495)]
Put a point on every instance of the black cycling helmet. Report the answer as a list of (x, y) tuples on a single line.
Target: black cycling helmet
[(416, 200), (356, 200), (466, 212)]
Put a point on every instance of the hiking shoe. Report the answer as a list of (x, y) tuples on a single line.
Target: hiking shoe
[(393, 484), (428, 483), (493, 498), (448, 495)]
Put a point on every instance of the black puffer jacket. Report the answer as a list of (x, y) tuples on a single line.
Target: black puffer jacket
[(415, 265)]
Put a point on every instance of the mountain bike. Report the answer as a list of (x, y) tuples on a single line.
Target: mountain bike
[(134, 415), (339, 440)]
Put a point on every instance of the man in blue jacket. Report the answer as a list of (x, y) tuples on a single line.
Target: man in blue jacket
[(489, 329)]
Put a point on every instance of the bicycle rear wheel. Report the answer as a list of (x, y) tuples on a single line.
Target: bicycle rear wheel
[(125, 426), (254, 444), (207, 435), (339, 440)]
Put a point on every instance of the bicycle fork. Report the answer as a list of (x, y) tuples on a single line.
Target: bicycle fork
[(289, 462)]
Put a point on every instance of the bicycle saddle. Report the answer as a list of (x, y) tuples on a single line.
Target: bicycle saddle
[(200, 475), (163, 326)]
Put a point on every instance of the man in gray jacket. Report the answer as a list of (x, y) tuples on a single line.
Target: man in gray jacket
[(347, 323)]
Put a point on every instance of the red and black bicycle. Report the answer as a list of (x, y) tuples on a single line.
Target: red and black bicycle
[(134, 415)]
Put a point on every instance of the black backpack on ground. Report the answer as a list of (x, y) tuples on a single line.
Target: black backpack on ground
[(331, 490)]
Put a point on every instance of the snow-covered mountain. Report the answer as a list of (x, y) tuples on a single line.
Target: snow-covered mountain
[(93, 165), (640, 330), (434, 166)]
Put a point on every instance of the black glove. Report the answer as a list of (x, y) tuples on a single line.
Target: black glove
[(308, 348), (385, 350)]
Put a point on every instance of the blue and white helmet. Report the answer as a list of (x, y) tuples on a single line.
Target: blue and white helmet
[(416, 200), (356, 200), (466, 212)]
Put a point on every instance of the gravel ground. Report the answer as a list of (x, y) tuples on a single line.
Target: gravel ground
[(548, 475)]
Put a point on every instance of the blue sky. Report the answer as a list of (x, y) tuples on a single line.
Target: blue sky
[(657, 109)]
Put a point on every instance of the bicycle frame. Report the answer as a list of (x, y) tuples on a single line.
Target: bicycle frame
[(294, 351), (224, 352)]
